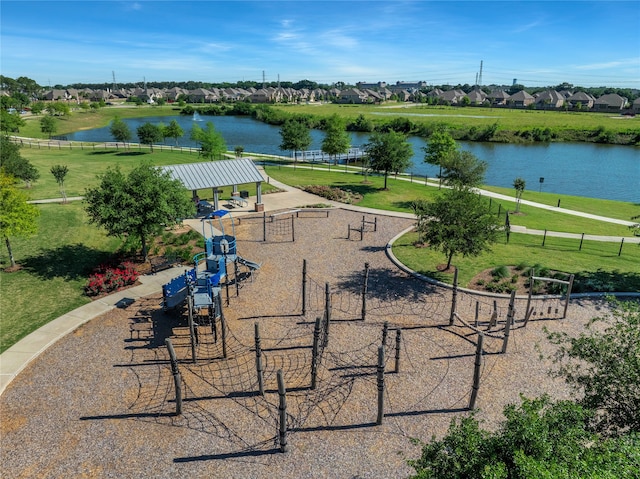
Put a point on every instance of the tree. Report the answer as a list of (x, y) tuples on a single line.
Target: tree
[(59, 172), (48, 125), (603, 364), (388, 153), (10, 122), (148, 134), (460, 224), (17, 217), (120, 131), (440, 146), (211, 142), (137, 205), (58, 109), (538, 439), (519, 184), (239, 150), (336, 140), (14, 164), (296, 136), (173, 130), (463, 169)]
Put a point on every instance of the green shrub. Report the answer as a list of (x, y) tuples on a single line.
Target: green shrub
[(500, 272)]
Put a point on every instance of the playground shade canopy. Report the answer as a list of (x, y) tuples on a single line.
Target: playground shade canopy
[(214, 174)]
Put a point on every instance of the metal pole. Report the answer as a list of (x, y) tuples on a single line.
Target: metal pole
[(293, 229), (327, 314), (385, 333), (531, 271), (365, 286), (454, 299), (223, 329), (507, 326), (259, 359), (476, 372), (581, 240), (282, 409), (544, 238), (191, 328), (566, 304), (177, 379), (304, 287), (398, 342), (621, 245), (264, 226), (315, 353), (380, 382)]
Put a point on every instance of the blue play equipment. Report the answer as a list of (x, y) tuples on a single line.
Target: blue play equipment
[(202, 283)]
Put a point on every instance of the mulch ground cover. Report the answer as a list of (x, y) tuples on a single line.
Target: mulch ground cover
[(101, 401)]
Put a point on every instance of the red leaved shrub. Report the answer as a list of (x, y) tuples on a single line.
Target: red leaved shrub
[(107, 278)]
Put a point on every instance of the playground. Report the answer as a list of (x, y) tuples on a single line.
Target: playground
[(370, 357)]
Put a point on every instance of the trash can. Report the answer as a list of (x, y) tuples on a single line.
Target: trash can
[(244, 194)]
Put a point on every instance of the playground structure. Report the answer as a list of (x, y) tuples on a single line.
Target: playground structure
[(200, 286)]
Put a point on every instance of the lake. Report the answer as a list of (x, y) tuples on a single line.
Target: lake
[(579, 169)]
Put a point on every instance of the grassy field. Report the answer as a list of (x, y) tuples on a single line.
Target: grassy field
[(89, 119), (401, 193), (84, 166), (55, 267), (457, 117), (560, 254)]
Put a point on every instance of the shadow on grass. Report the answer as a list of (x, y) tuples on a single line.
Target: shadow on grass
[(102, 152), (131, 153), (71, 262)]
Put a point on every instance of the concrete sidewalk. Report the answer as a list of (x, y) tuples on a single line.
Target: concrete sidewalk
[(18, 356)]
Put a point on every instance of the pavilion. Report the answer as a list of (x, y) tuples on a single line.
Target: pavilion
[(218, 174)]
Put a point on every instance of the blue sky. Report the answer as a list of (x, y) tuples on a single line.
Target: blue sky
[(539, 43)]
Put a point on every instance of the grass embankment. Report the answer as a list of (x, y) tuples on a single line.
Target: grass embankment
[(567, 126), (55, 266), (88, 119), (595, 259)]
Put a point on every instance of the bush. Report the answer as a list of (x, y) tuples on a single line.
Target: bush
[(500, 272), (108, 278)]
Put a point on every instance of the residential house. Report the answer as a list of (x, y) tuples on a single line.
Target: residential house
[(352, 95), (549, 99), (581, 101), (610, 102), (498, 98), (477, 96), (635, 107), (522, 99)]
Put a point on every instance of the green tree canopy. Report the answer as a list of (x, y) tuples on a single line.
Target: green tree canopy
[(440, 147), (138, 204), (17, 217), (463, 169), (173, 130), (539, 439), (388, 152), (120, 131), (211, 142), (59, 172), (459, 224), (603, 365), (296, 136), (48, 125), (519, 184), (148, 134), (14, 164), (336, 140), (10, 122)]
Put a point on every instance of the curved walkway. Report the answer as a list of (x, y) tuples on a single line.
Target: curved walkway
[(18, 356)]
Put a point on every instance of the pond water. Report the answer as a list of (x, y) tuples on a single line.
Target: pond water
[(579, 169)]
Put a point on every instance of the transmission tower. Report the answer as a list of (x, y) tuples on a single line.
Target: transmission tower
[(115, 85), (480, 75)]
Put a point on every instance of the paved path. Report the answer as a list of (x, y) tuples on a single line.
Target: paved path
[(18, 356)]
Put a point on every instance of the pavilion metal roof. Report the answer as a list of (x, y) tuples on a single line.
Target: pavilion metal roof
[(213, 174)]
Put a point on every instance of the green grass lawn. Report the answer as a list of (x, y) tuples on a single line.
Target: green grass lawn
[(85, 164), (400, 194), (90, 119), (55, 266), (558, 254), (457, 117)]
